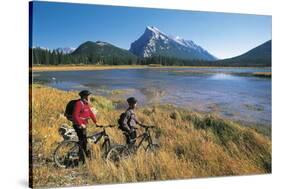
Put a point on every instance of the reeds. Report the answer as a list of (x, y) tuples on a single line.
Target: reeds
[(192, 144)]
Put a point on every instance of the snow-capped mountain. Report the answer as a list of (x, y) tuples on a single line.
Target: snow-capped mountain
[(65, 50), (155, 42), (42, 48)]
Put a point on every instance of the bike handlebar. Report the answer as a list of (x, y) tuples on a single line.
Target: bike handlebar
[(142, 125), (145, 126)]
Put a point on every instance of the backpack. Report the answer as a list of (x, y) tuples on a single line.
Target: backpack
[(69, 109), (120, 121)]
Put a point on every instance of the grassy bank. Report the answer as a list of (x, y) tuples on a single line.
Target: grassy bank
[(262, 74), (192, 144), (41, 68), (83, 67)]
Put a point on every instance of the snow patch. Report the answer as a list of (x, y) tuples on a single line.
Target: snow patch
[(153, 40), (100, 43)]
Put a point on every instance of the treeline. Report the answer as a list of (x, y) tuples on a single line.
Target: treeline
[(50, 57), (172, 61), (54, 57)]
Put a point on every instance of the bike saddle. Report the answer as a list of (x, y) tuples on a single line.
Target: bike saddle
[(97, 136)]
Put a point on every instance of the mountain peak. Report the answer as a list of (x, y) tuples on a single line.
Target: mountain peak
[(155, 42), (101, 49), (154, 29), (102, 43)]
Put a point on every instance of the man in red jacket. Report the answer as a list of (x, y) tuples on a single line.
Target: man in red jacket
[(81, 114)]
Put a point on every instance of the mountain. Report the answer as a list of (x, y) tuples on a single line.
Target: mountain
[(102, 50), (41, 48), (65, 50), (258, 56), (154, 42)]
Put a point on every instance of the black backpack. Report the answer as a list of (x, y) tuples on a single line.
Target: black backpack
[(120, 121), (69, 109), (121, 118)]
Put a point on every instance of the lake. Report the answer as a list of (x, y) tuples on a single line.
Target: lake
[(231, 93)]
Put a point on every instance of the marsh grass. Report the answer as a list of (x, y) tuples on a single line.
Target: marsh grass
[(192, 144)]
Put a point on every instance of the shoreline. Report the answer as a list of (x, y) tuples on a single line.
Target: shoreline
[(264, 128), (40, 68), (203, 142)]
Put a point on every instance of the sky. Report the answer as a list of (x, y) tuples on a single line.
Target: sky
[(224, 35)]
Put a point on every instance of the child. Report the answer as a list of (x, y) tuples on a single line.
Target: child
[(128, 121)]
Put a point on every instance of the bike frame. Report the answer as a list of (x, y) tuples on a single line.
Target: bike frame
[(106, 144), (144, 136)]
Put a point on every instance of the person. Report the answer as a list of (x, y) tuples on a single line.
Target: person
[(128, 121), (81, 114)]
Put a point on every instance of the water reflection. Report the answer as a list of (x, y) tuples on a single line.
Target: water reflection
[(209, 90), (223, 76)]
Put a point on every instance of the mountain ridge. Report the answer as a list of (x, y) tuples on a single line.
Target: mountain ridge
[(152, 47), (101, 48), (155, 42), (257, 56)]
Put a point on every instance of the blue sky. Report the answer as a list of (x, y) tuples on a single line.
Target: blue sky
[(222, 34)]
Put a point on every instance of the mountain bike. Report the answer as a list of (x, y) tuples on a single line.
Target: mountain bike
[(119, 152), (69, 153)]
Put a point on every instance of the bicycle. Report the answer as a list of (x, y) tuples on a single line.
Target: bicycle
[(118, 152), (69, 153)]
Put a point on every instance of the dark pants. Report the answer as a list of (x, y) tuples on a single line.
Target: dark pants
[(130, 137), (82, 137)]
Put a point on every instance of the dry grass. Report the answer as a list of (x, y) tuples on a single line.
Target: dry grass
[(83, 67), (262, 74), (192, 145), (76, 67)]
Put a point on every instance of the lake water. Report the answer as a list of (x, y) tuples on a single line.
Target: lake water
[(228, 92)]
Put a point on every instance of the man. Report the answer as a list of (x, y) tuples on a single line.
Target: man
[(81, 114), (128, 121)]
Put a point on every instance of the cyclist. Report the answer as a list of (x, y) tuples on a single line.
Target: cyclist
[(128, 120), (81, 114)]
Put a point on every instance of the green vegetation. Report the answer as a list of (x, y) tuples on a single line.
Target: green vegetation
[(259, 56), (101, 53), (108, 56), (192, 144)]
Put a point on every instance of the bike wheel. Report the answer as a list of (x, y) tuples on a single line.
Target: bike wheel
[(68, 154), (117, 153)]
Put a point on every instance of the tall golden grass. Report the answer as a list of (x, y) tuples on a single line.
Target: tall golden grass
[(192, 145)]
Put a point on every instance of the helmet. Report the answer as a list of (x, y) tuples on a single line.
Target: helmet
[(132, 100), (84, 93)]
